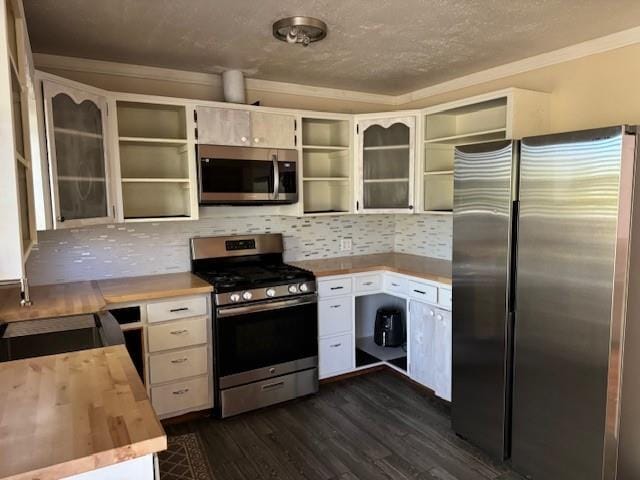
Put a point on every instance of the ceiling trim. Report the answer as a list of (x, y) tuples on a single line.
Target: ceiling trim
[(573, 52)]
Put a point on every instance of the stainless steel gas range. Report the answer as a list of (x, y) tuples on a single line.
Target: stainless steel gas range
[(265, 321)]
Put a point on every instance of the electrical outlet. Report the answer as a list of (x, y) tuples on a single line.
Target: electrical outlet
[(345, 244)]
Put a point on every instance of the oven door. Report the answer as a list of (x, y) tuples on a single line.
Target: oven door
[(241, 175), (265, 339)]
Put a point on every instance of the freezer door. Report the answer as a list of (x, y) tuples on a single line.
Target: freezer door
[(569, 193), (482, 229)]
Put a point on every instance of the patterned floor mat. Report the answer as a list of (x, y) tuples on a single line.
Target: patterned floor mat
[(184, 459)]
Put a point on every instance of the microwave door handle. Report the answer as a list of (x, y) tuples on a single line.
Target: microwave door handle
[(276, 176)]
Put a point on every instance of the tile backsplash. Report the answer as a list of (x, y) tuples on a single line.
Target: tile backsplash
[(150, 248)]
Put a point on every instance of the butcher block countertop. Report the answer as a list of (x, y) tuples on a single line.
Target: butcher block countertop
[(428, 268), (77, 298), (62, 415)]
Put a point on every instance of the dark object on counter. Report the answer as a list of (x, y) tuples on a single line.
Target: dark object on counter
[(389, 328), (49, 336)]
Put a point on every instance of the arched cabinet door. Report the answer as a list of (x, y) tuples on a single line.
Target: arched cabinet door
[(78, 161), (387, 152)]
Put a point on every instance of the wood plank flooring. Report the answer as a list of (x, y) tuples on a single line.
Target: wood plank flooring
[(373, 427)]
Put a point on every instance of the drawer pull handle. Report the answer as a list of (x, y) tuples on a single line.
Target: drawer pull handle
[(367, 284), (181, 309), (421, 292), (334, 306), (270, 386), (180, 360), (182, 391), (395, 284), (179, 332), (335, 345), (336, 288)]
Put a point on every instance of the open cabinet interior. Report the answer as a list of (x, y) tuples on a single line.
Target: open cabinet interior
[(367, 351)]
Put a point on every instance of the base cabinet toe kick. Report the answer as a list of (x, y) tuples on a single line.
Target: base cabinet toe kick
[(346, 321)]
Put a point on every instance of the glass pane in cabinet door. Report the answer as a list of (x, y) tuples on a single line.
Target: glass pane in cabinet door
[(80, 165), (380, 164), (16, 100), (378, 136), (386, 195), (11, 32)]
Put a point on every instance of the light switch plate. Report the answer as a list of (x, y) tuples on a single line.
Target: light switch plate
[(345, 244)]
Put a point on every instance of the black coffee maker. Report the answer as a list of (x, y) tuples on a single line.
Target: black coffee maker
[(389, 328)]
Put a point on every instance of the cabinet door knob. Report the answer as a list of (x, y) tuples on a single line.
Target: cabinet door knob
[(256, 140), (243, 139)]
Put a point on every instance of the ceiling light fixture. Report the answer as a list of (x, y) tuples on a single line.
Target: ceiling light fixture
[(304, 30)]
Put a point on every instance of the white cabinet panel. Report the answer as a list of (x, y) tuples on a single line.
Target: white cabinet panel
[(224, 126), (271, 130), (176, 309), (423, 292), (422, 343), (333, 287), (184, 333), (444, 297), (443, 354), (395, 284), (165, 367), (336, 355), (181, 395), (334, 316)]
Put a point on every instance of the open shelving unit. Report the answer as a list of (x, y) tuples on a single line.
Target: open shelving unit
[(445, 129), (326, 166), (154, 161)]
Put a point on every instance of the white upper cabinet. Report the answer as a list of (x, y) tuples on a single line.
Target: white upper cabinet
[(79, 173), (16, 189), (270, 130), (235, 127), (386, 155), (224, 126)]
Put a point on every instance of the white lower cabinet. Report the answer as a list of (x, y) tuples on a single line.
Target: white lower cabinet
[(336, 355), (430, 347), (180, 396), (165, 367), (335, 316)]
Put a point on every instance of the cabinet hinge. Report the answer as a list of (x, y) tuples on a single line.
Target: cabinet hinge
[(357, 206), (295, 124), (196, 133), (195, 116), (295, 140), (357, 129), (113, 209)]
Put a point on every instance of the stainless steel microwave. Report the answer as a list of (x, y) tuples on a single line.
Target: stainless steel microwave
[(246, 175)]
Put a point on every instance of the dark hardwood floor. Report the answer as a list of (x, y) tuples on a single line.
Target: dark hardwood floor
[(372, 427)]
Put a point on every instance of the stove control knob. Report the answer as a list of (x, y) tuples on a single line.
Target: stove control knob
[(293, 289), (303, 287), (247, 295), (234, 297), (270, 292)]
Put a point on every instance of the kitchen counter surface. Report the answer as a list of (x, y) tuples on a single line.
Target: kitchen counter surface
[(152, 287), (73, 298), (62, 415), (428, 268), (77, 298)]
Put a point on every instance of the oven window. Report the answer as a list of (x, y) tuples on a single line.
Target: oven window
[(236, 176), (256, 340), (288, 180)]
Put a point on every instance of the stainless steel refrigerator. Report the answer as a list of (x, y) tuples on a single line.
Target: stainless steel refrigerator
[(546, 292)]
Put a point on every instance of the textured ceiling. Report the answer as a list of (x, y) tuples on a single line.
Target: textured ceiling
[(381, 46)]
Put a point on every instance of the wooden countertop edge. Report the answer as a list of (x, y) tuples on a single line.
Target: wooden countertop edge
[(94, 461), (386, 268), (143, 297)]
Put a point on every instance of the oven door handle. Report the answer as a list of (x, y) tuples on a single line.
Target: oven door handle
[(276, 176), (224, 312)]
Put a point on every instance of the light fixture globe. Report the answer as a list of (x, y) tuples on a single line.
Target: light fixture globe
[(302, 30)]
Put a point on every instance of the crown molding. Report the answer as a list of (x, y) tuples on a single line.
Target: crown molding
[(573, 52)]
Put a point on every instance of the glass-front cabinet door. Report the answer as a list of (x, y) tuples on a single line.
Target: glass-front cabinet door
[(78, 163), (387, 151)]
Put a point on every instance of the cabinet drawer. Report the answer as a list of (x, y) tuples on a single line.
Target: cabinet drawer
[(444, 297), (338, 286), (192, 331), (334, 316), (336, 355), (180, 395), (424, 292), (175, 309), (395, 284), (166, 367), (369, 283)]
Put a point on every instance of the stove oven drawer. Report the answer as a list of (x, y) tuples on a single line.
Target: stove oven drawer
[(165, 367), (167, 336), (175, 309), (180, 396)]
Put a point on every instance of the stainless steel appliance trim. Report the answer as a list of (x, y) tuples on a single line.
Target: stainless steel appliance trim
[(245, 153), (261, 293), (272, 371), (235, 196), (234, 311), (276, 175), (215, 247), (261, 394), (619, 307)]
